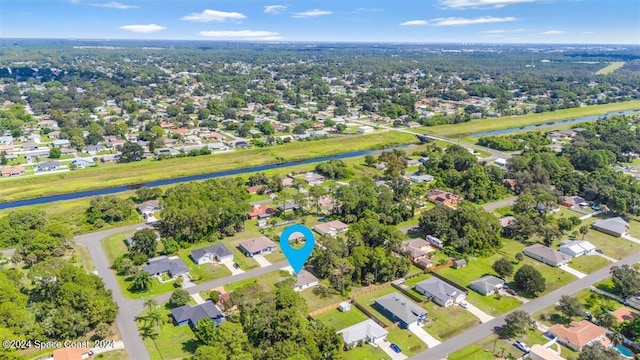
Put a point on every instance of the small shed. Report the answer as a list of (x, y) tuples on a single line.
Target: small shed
[(344, 306), (460, 263)]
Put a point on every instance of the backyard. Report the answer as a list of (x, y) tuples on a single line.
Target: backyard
[(341, 320)]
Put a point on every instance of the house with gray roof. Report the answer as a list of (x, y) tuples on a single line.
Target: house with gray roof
[(440, 292), (398, 308), (209, 254), (191, 315), (616, 226), (305, 280), (575, 248), (160, 265), (49, 165), (487, 285), (546, 255), (257, 246), (368, 331)]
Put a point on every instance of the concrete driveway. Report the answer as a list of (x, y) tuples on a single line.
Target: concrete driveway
[(197, 298), (483, 316), (229, 265), (572, 271), (385, 345), (424, 336), (261, 260), (605, 257)]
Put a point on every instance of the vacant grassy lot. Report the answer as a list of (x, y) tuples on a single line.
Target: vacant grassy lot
[(341, 320), (447, 322), (267, 281), (113, 355), (591, 301), (82, 256), (408, 342), (589, 263), (114, 246), (110, 175), (493, 304), (173, 342), (366, 352), (610, 68), (507, 122), (492, 347), (315, 302)]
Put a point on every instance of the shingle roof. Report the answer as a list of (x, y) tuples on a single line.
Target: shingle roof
[(305, 277), (402, 307), (616, 224), (161, 264), (487, 283), (360, 331), (335, 225), (580, 333), (196, 313), (257, 244), (438, 288), (546, 252), (218, 249)]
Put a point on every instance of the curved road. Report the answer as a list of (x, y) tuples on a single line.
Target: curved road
[(129, 308), (476, 333)]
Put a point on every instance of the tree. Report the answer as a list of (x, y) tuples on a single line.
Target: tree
[(503, 267), (205, 330), (214, 296), (146, 193), (529, 280), (517, 323), (598, 352), (570, 306), (584, 230), (151, 304), (369, 160), (55, 153), (131, 152), (179, 297), (143, 281), (519, 257), (3, 158), (626, 279), (144, 242)]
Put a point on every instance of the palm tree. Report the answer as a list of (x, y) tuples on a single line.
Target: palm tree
[(142, 281), (151, 304), (616, 336), (155, 317)]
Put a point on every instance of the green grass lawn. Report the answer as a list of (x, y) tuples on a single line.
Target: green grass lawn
[(617, 248), (366, 352), (173, 342), (412, 282), (341, 320), (113, 355), (492, 346), (591, 301), (447, 322), (368, 300), (493, 304), (275, 256), (589, 263), (507, 122), (315, 302), (634, 226), (408, 342), (268, 280), (473, 351), (83, 257), (114, 246), (109, 175), (613, 66)]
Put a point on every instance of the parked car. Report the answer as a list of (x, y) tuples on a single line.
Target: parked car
[(599, 251), (463, 304), (510, 292), (522, 346), (322, 219), (395, 348), (236, 266)]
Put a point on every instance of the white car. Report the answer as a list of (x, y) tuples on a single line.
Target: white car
[(463, 304), (522, 346)]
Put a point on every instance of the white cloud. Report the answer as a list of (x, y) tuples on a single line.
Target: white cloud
[(115, 5), (143, 29), (495, 31), (310, 13), (414, 23), (463, 4), (74, 1), (213, 15), (242, 34), (552, 32), (459, 21), (274, 9)]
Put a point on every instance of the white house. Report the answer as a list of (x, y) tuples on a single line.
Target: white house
[(368, 331), (365, 129), (208, 254), (577, 248), (305, 280)]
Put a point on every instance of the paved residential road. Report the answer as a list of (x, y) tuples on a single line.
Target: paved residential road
[(474, 334), (130, 308), (498, 204)]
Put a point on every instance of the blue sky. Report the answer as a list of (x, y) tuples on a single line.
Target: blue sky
[(478, 21)]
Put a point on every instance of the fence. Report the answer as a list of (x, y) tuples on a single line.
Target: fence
[(445, 265), (327, 308), (392, 326), (607, 294), (459, 287), (371, 289), (408, 294), (369, 314)]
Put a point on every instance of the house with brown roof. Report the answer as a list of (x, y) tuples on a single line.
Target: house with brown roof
[(256, 189), (257, 246), (417, 248), (506, 220), (331, 228), (261, 212), (574, 201), (444, 197), (7, 171), (624, 314), (580, 334), (71, 353), (546, 255)]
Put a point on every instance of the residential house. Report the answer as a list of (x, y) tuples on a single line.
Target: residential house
[(440, 292), (217, 252), (261, 212), (434, 241), (110, 158), (331, 228), (6, 140), (314, 179), (29, 146), (54, 134), (399, 308), (7, 171), (365, 129), (500, 162), (506, 221), (444, 197), (539, 352), (613, 226), (305, 280), (60, 143), (417, 248), (368, 331), (487, 285), (287, 182), (257, 246), (81, 163), (289, 206), (624, 314), (49, 166), (191, 315), (94, 149), (574, 201), (580, 334), (546, 255), (166, 152), (577, 248), (71, 353), (148, 208), (161, 265), (256, 189), (421, 178)]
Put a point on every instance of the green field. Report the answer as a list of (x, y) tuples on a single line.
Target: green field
[(110, 175), (173, 342), (508, 122), (589, 263), (315, 301), (447, 322), (610, 68), (113, 355), (366, 352), (341, 320)]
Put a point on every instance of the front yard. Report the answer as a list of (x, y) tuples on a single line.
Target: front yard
[(589, 263), (493, 346), (408, 341), (447, 322), (173, 342), (366, 352), (341, 320)]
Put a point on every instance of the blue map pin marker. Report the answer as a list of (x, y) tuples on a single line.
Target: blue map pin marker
[(297, 257)]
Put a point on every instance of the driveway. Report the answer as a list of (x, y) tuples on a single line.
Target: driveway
[(385, 346), (498, 204), (483, 316), (261, 260), (572, 271), (229, 265), (605, 256), (197, 298), (631, 238), (424, 336)]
